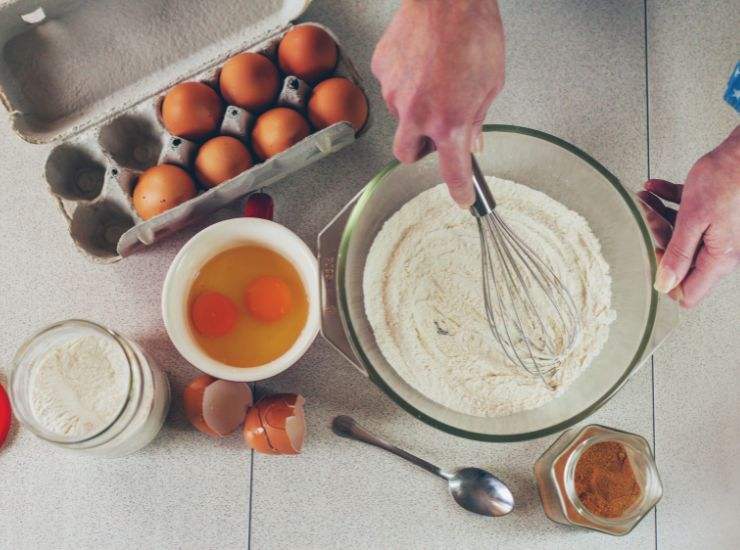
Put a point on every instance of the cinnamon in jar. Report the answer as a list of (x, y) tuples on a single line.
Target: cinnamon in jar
[(605, 481), (598, 478)]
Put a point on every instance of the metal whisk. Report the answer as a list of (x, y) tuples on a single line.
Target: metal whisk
[(530, 312)]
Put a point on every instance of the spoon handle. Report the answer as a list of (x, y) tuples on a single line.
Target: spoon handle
[(346, 426)]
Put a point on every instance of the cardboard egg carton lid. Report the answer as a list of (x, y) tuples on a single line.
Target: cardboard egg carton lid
[(67, 65)]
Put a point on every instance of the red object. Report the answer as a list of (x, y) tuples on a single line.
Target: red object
[(268, 299), (259, 205), (6, 415), (213, 314)]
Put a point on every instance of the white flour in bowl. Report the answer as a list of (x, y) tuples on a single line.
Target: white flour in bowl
[(78, 387), (424, 300)]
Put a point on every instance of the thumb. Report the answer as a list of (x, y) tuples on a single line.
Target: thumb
[(455, 168), (680, 252)]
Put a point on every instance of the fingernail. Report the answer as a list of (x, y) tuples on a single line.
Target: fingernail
[(665, 279)]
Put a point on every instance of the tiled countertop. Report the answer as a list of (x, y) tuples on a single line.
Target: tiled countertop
[(585, 71)]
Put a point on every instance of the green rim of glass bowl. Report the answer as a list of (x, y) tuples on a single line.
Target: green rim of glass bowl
[(375, 184)]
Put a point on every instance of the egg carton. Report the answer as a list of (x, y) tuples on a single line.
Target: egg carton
[(105, 145)]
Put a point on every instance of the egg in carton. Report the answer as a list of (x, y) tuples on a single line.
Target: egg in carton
[(94, 170)]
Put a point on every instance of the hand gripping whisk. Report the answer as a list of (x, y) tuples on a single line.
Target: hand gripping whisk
[(531, 314)]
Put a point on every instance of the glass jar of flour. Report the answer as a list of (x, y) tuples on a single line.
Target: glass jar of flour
[(84, 387)]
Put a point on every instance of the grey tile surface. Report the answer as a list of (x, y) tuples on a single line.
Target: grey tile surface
[(697, 410), (576, 69)]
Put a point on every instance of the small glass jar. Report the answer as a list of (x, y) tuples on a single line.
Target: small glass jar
[(555, 474), (143, 407)]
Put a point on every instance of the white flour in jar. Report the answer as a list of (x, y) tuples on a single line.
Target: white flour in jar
[(78, 386), (424, 300)]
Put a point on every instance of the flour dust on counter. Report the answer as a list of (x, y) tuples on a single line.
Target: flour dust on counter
[(424, 298)]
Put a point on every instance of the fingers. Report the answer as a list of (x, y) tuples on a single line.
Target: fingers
[(660, 219), (665, 189), (409, 144), (455, 167), (680, 252), (677, 292), (707, 273), (670, 214), (656, 204)]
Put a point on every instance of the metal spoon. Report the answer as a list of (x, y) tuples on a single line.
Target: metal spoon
[(474, 489)]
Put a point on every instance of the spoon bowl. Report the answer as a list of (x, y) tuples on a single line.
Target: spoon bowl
[(481, 492)]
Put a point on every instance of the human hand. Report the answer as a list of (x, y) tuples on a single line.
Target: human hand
[(440, 65), (705, 245)]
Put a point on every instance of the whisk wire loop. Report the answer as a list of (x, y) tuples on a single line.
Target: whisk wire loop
[(530, 313)]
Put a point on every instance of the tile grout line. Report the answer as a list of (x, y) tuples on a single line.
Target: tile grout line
[(647, 151)]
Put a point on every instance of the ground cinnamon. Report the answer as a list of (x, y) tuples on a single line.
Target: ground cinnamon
[(604, 480)]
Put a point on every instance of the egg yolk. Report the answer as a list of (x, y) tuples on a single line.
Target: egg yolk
[(213, 314), (268, 299), (252, 341)]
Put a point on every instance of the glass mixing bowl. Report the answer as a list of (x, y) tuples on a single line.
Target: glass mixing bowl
[(568, 175)]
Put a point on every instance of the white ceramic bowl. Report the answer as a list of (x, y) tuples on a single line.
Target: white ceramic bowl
[(205, 245)]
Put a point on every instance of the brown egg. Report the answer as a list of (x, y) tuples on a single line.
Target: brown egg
[(249, 80), (160, 188), (276, 424), (192, 399), (220, 159), (307, 52), (276, 130), (337, 99), (191, 110)]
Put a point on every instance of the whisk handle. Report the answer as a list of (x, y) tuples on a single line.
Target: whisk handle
[(484, 201)]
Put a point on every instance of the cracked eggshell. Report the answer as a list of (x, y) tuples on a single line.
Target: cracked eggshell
[(225, 405), (192, 399), (276, 425), (255, 434)]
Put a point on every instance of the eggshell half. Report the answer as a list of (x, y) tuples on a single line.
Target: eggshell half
[(225, 405), (276, 425), (192, 399), (284, 421)]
